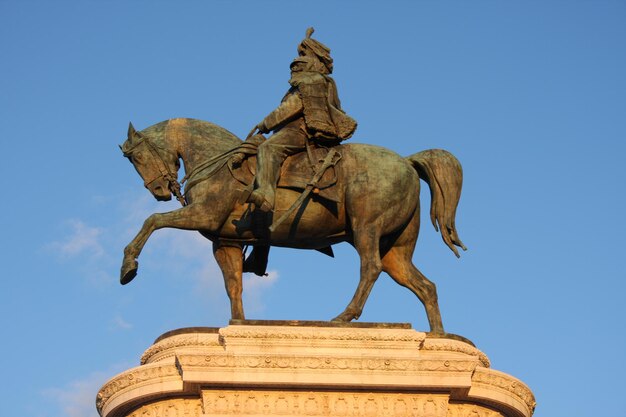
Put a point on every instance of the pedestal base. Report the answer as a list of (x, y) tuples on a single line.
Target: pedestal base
[(312, 369)]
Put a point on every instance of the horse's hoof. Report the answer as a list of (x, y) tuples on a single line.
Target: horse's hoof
[(129, 271), (343, 318)]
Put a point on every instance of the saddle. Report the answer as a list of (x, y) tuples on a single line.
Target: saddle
[(296, 172), (315, 167)]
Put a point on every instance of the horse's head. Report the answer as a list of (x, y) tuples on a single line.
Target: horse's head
[(157, 166)]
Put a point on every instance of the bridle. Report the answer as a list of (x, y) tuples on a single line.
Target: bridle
[(164, 170)]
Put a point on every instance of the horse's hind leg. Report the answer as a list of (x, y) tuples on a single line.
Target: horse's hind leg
[(398, 264), (230, 261), (366, 242)]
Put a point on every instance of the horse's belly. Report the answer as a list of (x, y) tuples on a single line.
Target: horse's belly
[(308, 225), (315, 223)]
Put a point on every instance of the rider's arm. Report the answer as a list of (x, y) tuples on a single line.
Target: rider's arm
[(289, 109)]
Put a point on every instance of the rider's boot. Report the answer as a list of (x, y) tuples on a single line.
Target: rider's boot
[(261, 200), (268, 169), (256, 262)]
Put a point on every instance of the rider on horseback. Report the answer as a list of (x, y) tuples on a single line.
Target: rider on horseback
[(309, 111)]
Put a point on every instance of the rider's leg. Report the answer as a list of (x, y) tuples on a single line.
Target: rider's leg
[(271, 154)]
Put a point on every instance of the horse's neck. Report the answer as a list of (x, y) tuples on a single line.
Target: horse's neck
[(195, 153), (191, 156), (195, 141)]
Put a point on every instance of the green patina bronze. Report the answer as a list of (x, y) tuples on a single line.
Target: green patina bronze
[(315, 191), (377, 212)]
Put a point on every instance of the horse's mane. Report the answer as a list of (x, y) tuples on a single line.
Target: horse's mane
[(205, 133)]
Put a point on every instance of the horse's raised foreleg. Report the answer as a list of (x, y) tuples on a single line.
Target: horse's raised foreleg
[(230, 261), (191, 217), (366, 242)]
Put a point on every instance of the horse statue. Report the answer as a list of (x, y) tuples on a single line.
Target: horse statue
[(376, 207)]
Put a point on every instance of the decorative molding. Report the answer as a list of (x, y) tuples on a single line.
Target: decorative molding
[(450, 345), (294, 362), (179, 341), (471, 410), (320, 404), (180, 407), (253, 333), (133, 377), (492, 378)]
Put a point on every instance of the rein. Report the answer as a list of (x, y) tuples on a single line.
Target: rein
[(167, 174), (190, 179), (215, 163)]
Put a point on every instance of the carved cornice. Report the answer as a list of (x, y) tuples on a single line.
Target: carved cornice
[(471, 410), (325, 334), (492, 378), (132, 378), (179, 341), (293, 362), (449, 345)]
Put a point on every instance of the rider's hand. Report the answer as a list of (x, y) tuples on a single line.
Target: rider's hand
[(238, 158)]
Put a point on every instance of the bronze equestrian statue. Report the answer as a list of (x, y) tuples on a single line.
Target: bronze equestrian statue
[(362, 194), (377, 209)]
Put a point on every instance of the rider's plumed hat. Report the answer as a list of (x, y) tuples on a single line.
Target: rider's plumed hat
[(315, 48)]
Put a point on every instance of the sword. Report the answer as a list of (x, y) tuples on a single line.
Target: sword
[(328, 162), (252, 132)]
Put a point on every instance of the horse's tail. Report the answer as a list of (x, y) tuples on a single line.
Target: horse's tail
[(444, 175)]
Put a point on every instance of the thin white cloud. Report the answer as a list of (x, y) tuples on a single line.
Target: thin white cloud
[(178, 252), (254, 283), (120, 323), (254, 288), (137, 207), (82, 239), (84, 245), (183, 244), (77, 399), (196, 253), (97, 276)]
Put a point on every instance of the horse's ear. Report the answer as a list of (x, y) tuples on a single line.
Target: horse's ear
[(131, 130)]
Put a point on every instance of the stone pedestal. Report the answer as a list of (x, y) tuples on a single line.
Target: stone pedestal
[(312, 369)]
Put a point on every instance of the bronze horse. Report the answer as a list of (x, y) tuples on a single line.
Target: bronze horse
[(378, 212)]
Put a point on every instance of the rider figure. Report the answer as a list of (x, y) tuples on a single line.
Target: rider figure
[(309, 111)]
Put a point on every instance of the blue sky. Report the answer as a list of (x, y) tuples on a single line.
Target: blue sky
[(530, 96)]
